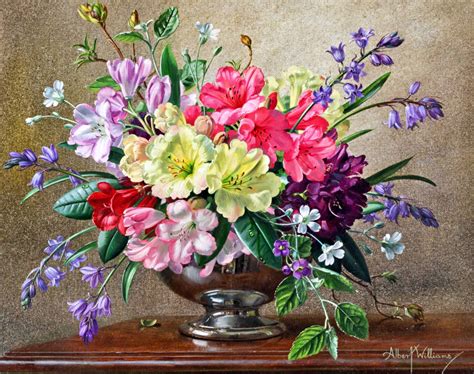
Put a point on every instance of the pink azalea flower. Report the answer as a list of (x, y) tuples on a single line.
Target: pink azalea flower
[(265, 129), (154, 253), (128, 74), (232, 249), (116, 101), (157, 92), (312, 118), (136, 220), (306, 156), (186, 232), (233, 95)]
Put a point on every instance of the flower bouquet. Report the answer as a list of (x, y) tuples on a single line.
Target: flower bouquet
[(202, 172)]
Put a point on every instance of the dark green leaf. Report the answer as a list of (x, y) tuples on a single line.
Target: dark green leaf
[(73, 204), (127, 278), (411, 177), (354, 260), (220, 233), (129, 37), (372, 207), (105, 81), (353, 136), (289, 295), (303, 243), (116, 154), (259, 236), (110, 244), (169, 67), (192, 72), (368, 92), (383, 174), (333, 280), (81, 251), (309, 342), (166, 24), (352, 320), (331, 342), (71, 147)]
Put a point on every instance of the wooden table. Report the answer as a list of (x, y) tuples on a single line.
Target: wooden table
[(127, 347)]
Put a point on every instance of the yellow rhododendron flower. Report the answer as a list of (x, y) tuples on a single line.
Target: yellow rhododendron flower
[(167, 115), (240, 180), (178, 163), (132, 163)]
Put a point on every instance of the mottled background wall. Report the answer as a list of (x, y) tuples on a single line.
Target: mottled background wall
[(436, 268)]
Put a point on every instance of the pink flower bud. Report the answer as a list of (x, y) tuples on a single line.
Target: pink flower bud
[(204, 125)]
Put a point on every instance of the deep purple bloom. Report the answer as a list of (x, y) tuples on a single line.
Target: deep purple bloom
[(88, 327), (392, 210), (371, 218), (433, 106), (23, 159), (38, 180), (384, 188), (300, 268), (77, 308), (323, 96), (74, 180), (404, 209), (58, 246), (391, 40), (92, 275), (414, 87), (157, 92), (286, 270), (394, 121), (428, 218), (55, 275), (49, 154), (337, 52), (386, 59), (361, 37), (375, 59), (76, 263), (355, 70), (281, 248), (353, 91), (41, 284), (128, 74), (103, 306)]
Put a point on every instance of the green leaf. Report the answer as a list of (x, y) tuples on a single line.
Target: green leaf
[(169, 67), (149, 323), (127, 278), (352, 320), (289, 295), (141, 107), (166, 24), (353, 136), (73, 204), (101, 82), (368, 92), (110, 244), (192, 72), (333, 280), (220, 233), (259, 236), (71, 147), (129, 37), (372, 207), (81, 251), (309, 342), (354, 260), (303, 243), (116, 154), (331, 342), (411, 177), (383, 174)]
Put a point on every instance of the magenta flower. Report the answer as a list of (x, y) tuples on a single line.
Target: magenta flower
[(233, 95), (300, 268), (157, 92), (128, 74)]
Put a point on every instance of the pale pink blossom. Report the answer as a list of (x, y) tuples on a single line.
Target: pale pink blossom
[(153, 253), (136, 220), (158, 92), (128, 74)]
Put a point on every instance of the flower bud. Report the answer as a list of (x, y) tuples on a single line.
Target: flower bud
[(245, 40), (204, 125), (167, 115), (132, 162), (220, 138), (197, 203), (133, 20), (94, 13)]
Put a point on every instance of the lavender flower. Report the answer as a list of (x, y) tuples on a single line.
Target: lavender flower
[(371, 218), (58, 246), (38, 180), (286, 270), (77, 308), (49, 154), (300, 268), (74, 180), (41, 284), (353, 91), (128, 74), (281, 248), (384, 188), (412, 116), (76, 263), (88, 326), (54, 95), (414, 87), (92, 275), (55, 275), (361, 37), (434, 107), (378, 59), (337, 52), (103, 306), (27, 293), (394, 121), (323, 96), (24, 159), (427, 218), (391, 40), (355, 70)]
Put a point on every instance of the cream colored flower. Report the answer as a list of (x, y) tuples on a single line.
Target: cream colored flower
[(132, 163), (167, 115)]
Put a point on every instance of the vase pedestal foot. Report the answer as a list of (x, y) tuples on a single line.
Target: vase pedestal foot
[(233, 315)]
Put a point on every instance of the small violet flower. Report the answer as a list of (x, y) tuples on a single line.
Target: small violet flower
[(23, 159), (286, 270), (391, 245), (414, 87), (103, 306), (337, 52), (38, 180), (391, 40), (306, 218), (54, 95), (384, 188), (281, 248), (355, 71), (49, 154), (94, 276), (378, 59), (323, 96), (330, 252), (55, 275), (77, 308), (361, 37), (300, 268), (394, 121), (353, 91)]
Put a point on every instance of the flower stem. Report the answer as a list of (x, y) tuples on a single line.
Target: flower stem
[(109, 276), (111, 41)]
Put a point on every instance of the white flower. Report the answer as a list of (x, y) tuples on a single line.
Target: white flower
[(331, 251), (30, 121), (391, 245), (54, 95), (207, 31), (307, 218)]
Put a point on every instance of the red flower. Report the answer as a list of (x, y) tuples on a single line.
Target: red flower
[(312, 118), (109, 205)]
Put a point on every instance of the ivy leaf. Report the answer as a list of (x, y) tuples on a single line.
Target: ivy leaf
[(383, 174), (352, 320), (73, 204), (101, 82), (81, 251), (309, 342), (354, 260), (289, 295), (303, 243), (169, 67), (220, 233), (259, 237), (331, 342), (333, 280), (127, 278), (166, 24), (368, 92), (191, 72), (110, 244), (129, 37)]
